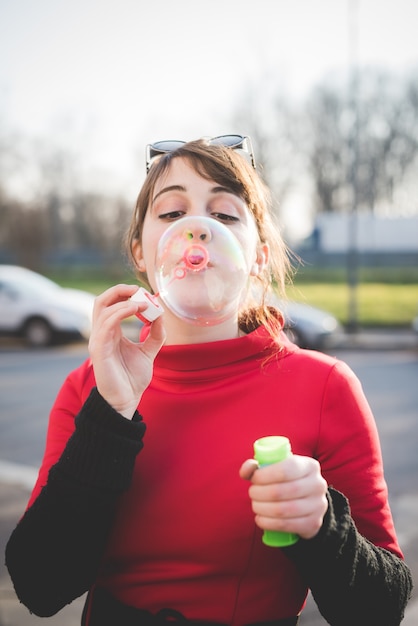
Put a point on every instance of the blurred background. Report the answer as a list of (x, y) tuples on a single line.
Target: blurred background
[(328, 91)]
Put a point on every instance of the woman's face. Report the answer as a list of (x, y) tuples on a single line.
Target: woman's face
[(182, 192)]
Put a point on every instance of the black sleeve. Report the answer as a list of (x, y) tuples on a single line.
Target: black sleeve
[(54, 552), (352, 581)]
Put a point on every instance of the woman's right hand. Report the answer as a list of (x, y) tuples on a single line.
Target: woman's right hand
[(122, 368), (288, 496)]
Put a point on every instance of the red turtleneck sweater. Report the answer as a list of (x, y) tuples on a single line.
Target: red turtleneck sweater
[(184, 535)]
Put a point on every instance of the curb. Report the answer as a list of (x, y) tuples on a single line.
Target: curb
[(378, 340)]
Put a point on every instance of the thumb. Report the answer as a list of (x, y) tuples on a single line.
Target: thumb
[(248, 468), (155, 339)]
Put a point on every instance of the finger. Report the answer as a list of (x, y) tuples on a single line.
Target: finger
[(306, 520), (117, 293), (313, 486), (114, 294), (155, 339), (293, 468), (112, 315), (299, 525), (286, 509), (275, 473), (107, 327), (248, 468)]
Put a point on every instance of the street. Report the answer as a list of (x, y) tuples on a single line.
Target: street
[(29, 381)]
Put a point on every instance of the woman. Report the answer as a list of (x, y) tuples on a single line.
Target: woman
[(166, 524)]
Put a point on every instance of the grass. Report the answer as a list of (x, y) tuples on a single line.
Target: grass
[(91, 282), (378, 303), (338, 274)]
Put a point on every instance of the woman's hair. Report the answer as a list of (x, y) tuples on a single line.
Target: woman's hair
[(229, 169)]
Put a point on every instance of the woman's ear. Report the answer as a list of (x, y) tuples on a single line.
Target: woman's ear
[(262, 257), (137, 255)]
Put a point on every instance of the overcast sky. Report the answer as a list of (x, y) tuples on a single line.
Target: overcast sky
[(111, 75)]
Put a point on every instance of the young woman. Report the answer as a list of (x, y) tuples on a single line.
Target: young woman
[(148, 496)]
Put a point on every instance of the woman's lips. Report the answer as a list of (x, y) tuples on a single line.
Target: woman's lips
[(196, 257)]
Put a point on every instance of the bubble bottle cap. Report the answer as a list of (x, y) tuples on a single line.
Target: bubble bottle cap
[(271, 449), (153, 308)]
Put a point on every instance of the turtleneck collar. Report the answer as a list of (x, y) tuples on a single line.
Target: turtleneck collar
[(210, 358)]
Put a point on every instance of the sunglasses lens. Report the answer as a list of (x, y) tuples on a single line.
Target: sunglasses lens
[(166, 146), (230, 141), (236, 142), (160, 147)]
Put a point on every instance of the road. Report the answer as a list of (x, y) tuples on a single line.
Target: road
[(29, 381)]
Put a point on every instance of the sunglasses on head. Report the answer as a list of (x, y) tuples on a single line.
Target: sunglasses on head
[(235, 142)]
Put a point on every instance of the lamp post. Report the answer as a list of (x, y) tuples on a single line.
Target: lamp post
[(352, 254)]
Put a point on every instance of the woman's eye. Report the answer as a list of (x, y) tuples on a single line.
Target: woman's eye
[(171, 215), (224, 217)]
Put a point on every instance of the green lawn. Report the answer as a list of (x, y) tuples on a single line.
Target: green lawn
[(377, 303), (92, 283)]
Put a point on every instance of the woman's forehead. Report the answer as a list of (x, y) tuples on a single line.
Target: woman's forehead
[(182, 177), (178, 168)]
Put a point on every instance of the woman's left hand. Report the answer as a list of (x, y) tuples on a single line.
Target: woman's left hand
[(288, 496), (122, 368)]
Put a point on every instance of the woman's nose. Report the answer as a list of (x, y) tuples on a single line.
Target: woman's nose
[(198, 234)]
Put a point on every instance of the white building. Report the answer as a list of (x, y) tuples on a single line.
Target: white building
[(334, 233)]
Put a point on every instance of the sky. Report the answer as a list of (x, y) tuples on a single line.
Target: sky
[(109, 76)]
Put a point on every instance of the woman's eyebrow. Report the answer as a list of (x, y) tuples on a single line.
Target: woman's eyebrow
[(167, 189), (220, 189)]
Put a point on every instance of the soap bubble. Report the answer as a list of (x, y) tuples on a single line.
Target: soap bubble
[(201, 271)]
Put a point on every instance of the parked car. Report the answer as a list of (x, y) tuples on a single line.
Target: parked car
[(40, 311), (308, 326)]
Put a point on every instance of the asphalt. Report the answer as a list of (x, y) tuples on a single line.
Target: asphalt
[(16, 483)]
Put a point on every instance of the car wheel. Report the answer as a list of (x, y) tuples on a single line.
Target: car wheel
[(38, 333)]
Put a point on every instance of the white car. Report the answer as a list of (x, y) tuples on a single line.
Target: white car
[(39, 310)]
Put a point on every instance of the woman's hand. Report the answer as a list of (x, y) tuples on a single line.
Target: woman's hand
[(289, 496), (122, 368)]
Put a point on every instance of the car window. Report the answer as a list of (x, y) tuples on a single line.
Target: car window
[(30, 286), (8, 290)]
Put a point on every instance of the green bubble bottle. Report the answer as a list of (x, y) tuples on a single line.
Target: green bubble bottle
[(269, 450)]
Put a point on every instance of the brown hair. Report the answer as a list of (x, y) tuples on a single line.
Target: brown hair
[(230, 169)]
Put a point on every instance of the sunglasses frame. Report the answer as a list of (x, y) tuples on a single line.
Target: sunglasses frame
[(236, 142)]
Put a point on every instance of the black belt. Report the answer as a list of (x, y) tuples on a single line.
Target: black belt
[(102, 609)]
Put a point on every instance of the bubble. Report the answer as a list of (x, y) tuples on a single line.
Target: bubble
[(201, 271)]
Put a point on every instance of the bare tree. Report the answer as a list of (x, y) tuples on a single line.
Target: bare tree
[(272, 124), (315, 140), (24, 232), (387, 140)]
